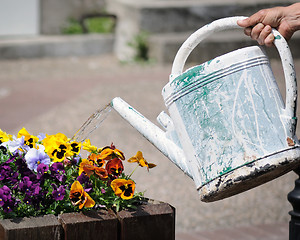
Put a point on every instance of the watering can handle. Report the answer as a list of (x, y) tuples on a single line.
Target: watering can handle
[(231, 23)]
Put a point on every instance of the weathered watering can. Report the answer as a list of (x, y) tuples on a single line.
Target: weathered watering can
[(229, 128)]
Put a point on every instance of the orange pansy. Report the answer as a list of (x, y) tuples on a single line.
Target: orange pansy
[(79, 197), (101, 173), (141, 160), (96, 158), (123, 188), (108, 153), (87, 167)]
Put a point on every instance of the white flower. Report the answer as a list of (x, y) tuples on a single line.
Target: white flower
[(15, 144), (34, 157)]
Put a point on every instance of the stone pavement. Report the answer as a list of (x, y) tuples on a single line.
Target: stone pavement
[(58, 95)]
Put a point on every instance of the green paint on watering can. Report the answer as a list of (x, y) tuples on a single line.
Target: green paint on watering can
[(209, 62), (205, 91), (225, 170), (185, 78), (131, 108)]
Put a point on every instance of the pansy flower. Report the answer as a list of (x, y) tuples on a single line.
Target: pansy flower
[(114, 167), (87, 167), (88, 147), (27, 199), (57, 147), (96, 158), (58, 171), (15, 144), (26, 186), (83, 178), (34, 157), (4, 195), (111, 152), (29, 139), (9, 205), (5, 170), (42, 169), (101, 173), (58, 193), (123, 188), (60, 152), (4, 137), (141, 160), (75, 148), (79, 197), (12, 177)]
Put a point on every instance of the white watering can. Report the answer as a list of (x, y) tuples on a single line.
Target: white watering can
[(229, 129)]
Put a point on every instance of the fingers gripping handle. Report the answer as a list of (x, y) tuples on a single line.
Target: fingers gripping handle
[(231, 23)]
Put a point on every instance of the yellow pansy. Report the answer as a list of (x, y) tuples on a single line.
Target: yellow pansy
[(4, 137), (29, 139), (87, 146)]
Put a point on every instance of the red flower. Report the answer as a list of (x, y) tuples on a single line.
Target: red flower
[(114, 167)]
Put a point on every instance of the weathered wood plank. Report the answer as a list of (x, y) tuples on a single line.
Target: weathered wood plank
[(34, 228), (92, 225), (148, 222)]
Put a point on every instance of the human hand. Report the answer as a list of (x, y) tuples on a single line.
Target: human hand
[(259, 26)]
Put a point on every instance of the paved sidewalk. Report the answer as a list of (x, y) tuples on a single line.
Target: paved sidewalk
[(58, 95), (261, 232)]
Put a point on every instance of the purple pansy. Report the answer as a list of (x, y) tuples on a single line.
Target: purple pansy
[(27, 199), (4, 171), (12, 177), (28, 187), (41, 170), (25, 184), (8, 206), (58, 171), (58, 193), (5, 195), (83, 178)]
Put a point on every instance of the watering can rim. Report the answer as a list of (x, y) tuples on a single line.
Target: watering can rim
[(231, 23)]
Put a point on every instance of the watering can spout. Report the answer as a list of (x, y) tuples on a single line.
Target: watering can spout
[(165, 141)]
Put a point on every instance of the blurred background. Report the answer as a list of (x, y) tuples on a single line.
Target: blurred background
[(61, 60)]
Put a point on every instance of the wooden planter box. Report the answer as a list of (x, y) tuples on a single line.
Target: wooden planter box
[(154, 220)]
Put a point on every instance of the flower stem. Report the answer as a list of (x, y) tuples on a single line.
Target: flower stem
[(133, 171)]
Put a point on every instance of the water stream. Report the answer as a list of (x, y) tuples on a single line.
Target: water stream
[(92, 123)]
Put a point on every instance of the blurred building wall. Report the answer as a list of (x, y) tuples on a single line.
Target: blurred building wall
[(19, 17)]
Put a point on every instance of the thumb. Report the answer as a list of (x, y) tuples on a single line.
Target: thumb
[(244, 23), (251, 21)]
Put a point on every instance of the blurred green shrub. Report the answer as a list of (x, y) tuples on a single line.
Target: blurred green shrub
[(92, 25)]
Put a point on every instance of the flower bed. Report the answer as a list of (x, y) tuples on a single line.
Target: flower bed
[(47, 174)]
